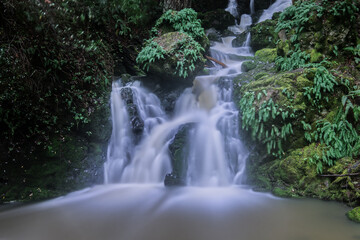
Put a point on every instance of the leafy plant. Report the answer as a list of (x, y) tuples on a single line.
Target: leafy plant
[(355, 51), (296, 17), (338, 140), (324, 82), (297, 59), (185, 21), (267, 121)]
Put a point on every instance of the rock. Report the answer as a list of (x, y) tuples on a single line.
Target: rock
[(266, 54), (262, 36), (247, 66), (173, 180), (167, 67), (137, 124), (354, 214), (177, 151), (218, 19), (213, 35)]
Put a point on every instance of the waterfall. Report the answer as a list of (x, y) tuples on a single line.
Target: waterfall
[(232, 8), (215, 156), (138, 150), (252, 7), (277, 6)]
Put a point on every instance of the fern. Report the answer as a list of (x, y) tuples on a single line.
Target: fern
[(324, 82), (267, 121), (185, 21)]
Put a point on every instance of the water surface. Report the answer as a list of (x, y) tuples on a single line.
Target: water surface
[(153, 212)]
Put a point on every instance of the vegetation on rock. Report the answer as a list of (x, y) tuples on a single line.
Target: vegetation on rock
[(178, 49), (317, 74)]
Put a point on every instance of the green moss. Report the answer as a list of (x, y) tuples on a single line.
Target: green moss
[(247, 66), (260, 75), (283, 48), (315, 56), (354, 214), (266, 54)]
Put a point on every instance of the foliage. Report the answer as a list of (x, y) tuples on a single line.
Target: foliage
[(339, 138), (56, 61), (269, 123), (324, 82), (299, 15), (185, 21), (297, 59), (355, 52), (150, 53), (296, 17), (184, 48)]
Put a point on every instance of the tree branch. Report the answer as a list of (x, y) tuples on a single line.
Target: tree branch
[(217, 61)]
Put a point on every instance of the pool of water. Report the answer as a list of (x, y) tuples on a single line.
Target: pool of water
[(153, 212)]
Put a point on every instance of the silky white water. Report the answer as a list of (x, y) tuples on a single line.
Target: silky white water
[(277, 6)]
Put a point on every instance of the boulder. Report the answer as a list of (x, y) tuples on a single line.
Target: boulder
[(174, 56), (218, 19)]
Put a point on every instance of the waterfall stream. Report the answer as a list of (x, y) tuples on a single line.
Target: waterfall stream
[(216, 155)]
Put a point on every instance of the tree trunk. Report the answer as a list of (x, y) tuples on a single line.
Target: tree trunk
[(176, 5)]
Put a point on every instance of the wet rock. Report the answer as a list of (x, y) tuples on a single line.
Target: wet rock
[(213, 35), (263, 35), (137, 124), (173, 180), (178, 156)]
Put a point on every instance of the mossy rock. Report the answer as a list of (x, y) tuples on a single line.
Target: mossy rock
[(167, 67), (354, 214), (266, 54), (247, 66), (295, 169), (263, 35)]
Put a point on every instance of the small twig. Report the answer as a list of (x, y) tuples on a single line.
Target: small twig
[(217, 61)]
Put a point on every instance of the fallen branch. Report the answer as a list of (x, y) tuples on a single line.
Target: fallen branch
[(340, 175), (217, 61)]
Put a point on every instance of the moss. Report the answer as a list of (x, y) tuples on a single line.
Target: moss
[(266, 54), (315, 56), (260, 75), (247, 66), (354, 214), (283, 48)]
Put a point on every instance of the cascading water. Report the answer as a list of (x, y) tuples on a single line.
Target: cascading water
[(232, 8), (277, 6), (121, 149), (215, 156)]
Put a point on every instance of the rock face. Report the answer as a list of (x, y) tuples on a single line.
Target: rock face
[(218, 19), (271, 101)]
